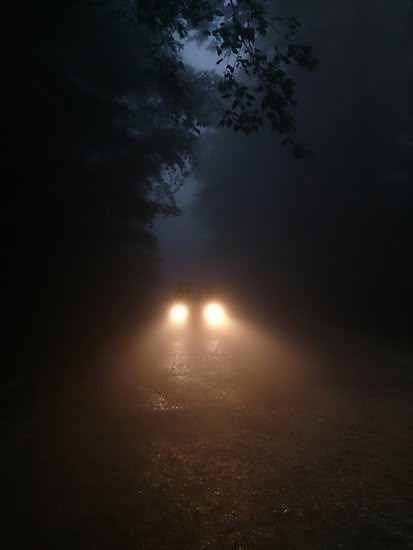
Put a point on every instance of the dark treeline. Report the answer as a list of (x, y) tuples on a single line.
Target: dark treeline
[(76, 194), (99, 117), (86, 147)]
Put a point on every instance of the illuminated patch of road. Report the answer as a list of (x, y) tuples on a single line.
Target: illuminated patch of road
[(161, 403)]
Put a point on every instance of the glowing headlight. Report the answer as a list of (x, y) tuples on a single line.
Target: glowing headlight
[(179, 313), (214, 314)]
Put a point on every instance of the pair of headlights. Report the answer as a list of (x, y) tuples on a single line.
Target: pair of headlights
[(214, 314)]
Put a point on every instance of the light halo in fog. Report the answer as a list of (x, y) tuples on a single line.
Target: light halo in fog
[(214, 314), (179, 313)]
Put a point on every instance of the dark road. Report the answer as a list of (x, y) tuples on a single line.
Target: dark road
[(226, 439)]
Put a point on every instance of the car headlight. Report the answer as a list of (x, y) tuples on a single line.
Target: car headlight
[(179, 313), (214, 314)]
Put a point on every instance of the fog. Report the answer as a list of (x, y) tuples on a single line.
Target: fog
[(331, 230)]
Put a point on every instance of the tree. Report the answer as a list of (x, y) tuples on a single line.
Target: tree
[(256, 50), (100, 116), (103, 84)]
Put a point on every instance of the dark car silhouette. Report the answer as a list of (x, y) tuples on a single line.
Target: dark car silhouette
[(195, 303)]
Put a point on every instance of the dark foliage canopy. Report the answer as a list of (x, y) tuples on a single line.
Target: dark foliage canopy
[(102, 87), (100, 115)]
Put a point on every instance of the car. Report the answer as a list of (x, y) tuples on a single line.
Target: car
[(196, 303)]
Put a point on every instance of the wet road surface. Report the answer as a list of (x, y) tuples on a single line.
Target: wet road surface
[(215, 439)]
